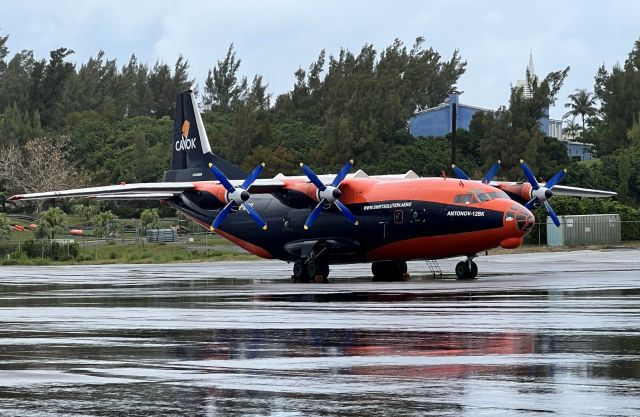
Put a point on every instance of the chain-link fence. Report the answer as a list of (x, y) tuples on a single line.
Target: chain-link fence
[(126, 246)]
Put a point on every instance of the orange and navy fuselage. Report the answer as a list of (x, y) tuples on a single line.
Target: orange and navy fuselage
[(398, 219)]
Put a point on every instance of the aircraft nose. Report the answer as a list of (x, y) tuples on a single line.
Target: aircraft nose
[(518, 221)]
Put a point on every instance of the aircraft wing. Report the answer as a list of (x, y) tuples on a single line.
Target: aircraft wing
[(564, 190), (580, 192), (142, 191), (135, 191)]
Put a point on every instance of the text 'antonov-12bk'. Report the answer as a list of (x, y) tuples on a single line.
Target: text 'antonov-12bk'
[(314, 220)]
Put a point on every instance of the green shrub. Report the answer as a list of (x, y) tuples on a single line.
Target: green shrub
[(53, 250)]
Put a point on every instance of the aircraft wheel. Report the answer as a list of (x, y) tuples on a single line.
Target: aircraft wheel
[(462, 270), (325, 270), (312, 269), (388, 270), (300, 272), (377, 268), (317, 271), (466, 270), (473, 270)]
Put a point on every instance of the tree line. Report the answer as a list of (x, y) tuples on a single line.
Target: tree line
[(113, 123)]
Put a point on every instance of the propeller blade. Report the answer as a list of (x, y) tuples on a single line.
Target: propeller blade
[(342, 174), (346, 212), (252, 177), (491, 173), (531, 203), (460, 173), (314, 214), (222, 178), (312, 177), (255, 216), (552, 213), (555, 179), (529, 175), (222, 215)]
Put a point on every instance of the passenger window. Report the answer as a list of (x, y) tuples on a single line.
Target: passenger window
[(397, 216)]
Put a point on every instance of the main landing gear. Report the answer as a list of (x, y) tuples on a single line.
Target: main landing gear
[(467, 270), (389, 271), (310, 271)]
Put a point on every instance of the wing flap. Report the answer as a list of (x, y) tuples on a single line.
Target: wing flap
[(133, 196)]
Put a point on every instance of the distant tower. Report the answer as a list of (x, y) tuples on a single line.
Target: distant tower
[(523, 83)]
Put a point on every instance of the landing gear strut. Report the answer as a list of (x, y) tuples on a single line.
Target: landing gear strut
[(467, 270), (389, 271), (310, 271)]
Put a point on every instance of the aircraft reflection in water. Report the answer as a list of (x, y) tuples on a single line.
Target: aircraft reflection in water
[(314, 221)]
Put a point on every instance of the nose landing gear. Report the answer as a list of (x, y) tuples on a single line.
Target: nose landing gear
[(467, 270)]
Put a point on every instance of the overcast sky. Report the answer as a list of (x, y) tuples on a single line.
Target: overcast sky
[(274, 38)]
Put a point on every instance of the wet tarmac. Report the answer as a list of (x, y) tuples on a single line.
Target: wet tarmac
[(536, 334)]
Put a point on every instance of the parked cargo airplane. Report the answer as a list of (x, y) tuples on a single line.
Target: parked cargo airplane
[(314, 221)]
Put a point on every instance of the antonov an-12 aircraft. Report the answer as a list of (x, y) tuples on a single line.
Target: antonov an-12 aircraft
[(314, 221)]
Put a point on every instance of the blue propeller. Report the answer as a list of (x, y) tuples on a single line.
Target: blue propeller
[(541, 194), (488, 177), (460, 173), (237, 196), (328, 194)]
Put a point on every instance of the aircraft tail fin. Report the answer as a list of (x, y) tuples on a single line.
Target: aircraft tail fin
[(191, 150)]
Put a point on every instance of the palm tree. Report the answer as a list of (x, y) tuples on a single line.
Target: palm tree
[(582, 103), (52, 221), (105, 224), (571, 128)]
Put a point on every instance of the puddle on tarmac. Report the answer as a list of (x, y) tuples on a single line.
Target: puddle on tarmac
[(127, 343)]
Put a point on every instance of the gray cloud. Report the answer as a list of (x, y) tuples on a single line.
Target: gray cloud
[(275, 38)]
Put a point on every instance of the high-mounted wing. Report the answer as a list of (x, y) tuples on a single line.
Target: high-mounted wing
[(142, 191), (136, 191), (563, 190), (581, 192)]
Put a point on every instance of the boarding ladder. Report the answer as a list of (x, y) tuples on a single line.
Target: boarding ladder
[(434, 268)]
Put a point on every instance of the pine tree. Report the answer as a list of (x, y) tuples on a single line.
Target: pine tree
[(222, 87)]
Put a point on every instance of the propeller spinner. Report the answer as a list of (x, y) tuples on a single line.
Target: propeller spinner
[(541, 194), (328, 194), (237, 196)]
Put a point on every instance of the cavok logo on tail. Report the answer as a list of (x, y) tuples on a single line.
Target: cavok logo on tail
[(185, 143)]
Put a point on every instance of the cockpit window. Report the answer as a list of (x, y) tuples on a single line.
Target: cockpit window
[(483, 197), (476, 196), (465, 198), (498, 194)]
